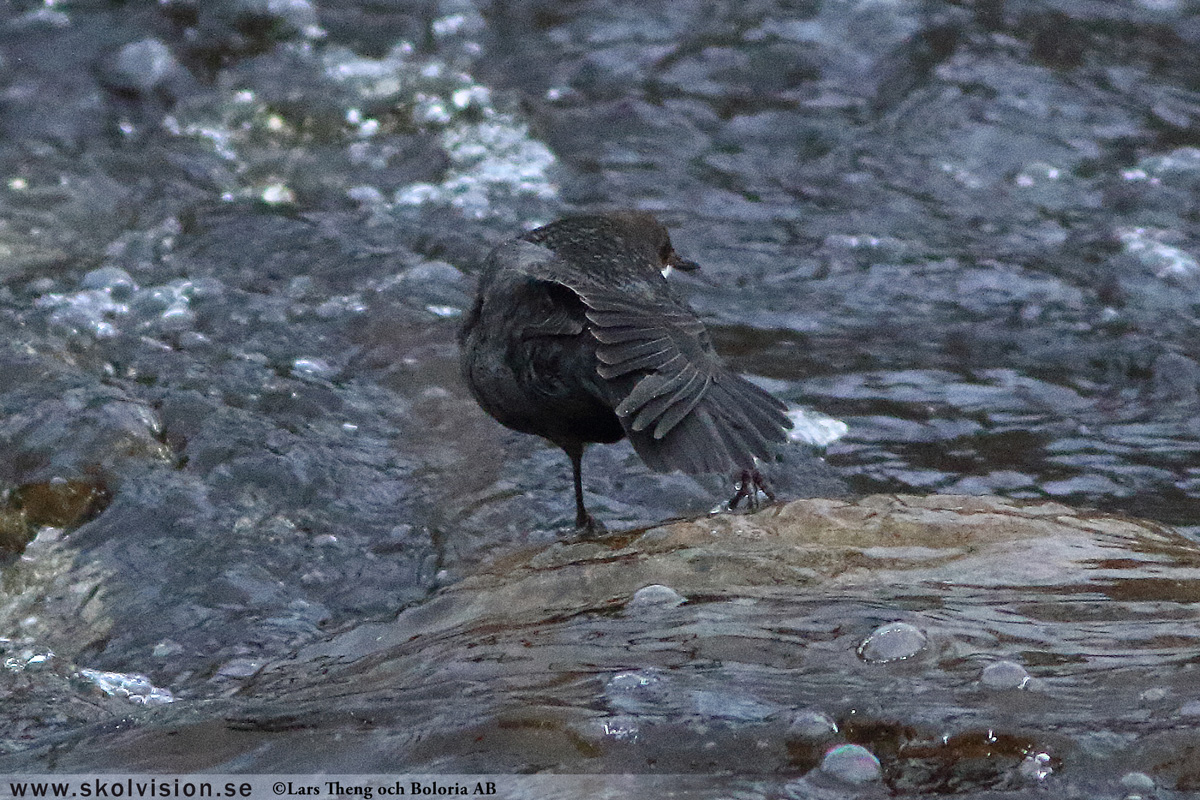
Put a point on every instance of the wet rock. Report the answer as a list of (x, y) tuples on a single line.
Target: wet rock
[(68, 440), (758, 670), (59, 503)]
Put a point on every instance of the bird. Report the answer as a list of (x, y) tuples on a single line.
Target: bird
[(576, 336)]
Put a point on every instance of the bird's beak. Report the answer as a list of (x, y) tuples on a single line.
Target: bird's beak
[(675, 261)]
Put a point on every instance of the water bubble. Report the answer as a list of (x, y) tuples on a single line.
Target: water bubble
[(495, 156), (1153, 695), (1137, 782), (656, 595), (448, 25), (851, 763), (1190, 709), (143, 66), (1004, 675), (116, 281), (366, 195), (1183, 160), (895, 641), (89, 311), (811, 726)]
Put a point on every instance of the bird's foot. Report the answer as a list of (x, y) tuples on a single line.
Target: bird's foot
[(588, 527), (749, 484)]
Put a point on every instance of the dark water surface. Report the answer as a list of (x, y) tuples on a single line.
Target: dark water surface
[(235, 241)]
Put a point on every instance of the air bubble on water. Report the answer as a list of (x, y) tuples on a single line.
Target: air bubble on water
[(1004, 675), (88, 311), (114, 280), (656, 596), (811, 726), (1153, 695), (1190, 709), (495, 155), (1182, 160), (851, 763), (895, 641), (448, 25), (1137, 782)]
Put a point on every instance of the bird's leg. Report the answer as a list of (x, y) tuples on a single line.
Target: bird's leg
[(585, 523), (749, 483)]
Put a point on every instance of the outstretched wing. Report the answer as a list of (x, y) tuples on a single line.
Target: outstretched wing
[(678, 404)]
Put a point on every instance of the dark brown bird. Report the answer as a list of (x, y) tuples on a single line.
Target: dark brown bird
[(576, 336)]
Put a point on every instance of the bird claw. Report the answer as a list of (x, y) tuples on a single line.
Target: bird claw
[(749, 484)]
